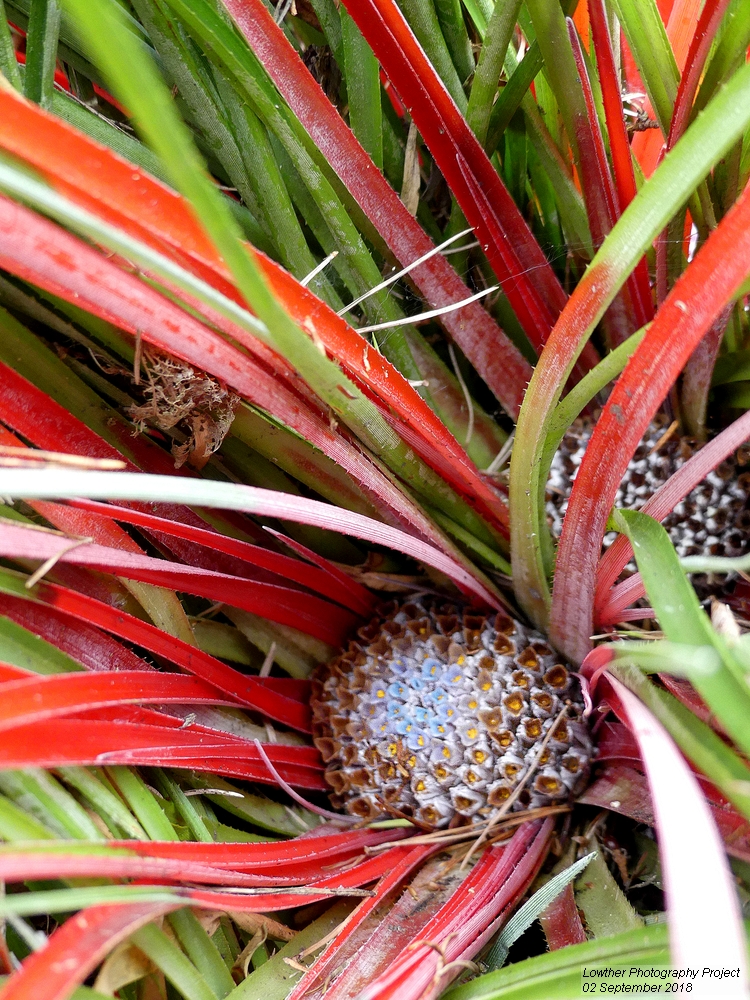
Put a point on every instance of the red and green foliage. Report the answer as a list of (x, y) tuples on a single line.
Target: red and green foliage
[(226, 438)]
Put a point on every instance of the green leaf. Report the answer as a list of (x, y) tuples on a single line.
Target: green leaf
[(100, 795), (728, 54), (523, 919), (23, 649), (491, 59), (363, 89), (715, 564), (142, 801), (184, 805), (39, 793), (712, 134), (294, 654), (557, 975), (8, 62), (734, 367), (17, 825), (457, 39), (202, 952), (274, 979), (647, 38), (682, 619), (64, 900), (177, 967), (424, 23), (604, 904), (233, 135), (584, 391), (700, 744), (569, 408), (41, 51), (513, 93), (254, 809), (254, 87), (560, 70)]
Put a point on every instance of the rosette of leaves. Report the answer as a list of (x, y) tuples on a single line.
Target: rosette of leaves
[(227, 437)]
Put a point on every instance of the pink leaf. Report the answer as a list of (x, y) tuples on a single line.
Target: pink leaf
[(686, 832), (609, 601), (264, 503), (329, 583)]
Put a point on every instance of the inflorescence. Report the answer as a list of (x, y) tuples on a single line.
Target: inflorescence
[(712, 520), (442, 713)]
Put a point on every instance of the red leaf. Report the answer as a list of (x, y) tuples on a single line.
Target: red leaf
[(505, 237), (496, 359), (277, 697), (378, 940), (187, 525), (596, 180), (622, 162), (329, 961), (696, 300), (88, 646), (368, 871), (697, 378), (24, 865), (89, 742), (115, 862), (309, 851), (700, 46), (680, 18), (614, 740), (77, 947), (46, 255), (627, 313), (95, 177), (685, 692), (35, 699), (561, 921), (479, 907), (336, 587), (623, 789), (612, 101), (50, 426), (429, 436), (318, 618)]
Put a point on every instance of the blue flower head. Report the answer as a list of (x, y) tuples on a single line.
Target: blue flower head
[(395, 709), (432, 669)]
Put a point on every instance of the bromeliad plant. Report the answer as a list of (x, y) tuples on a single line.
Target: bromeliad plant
[(283, 290)]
